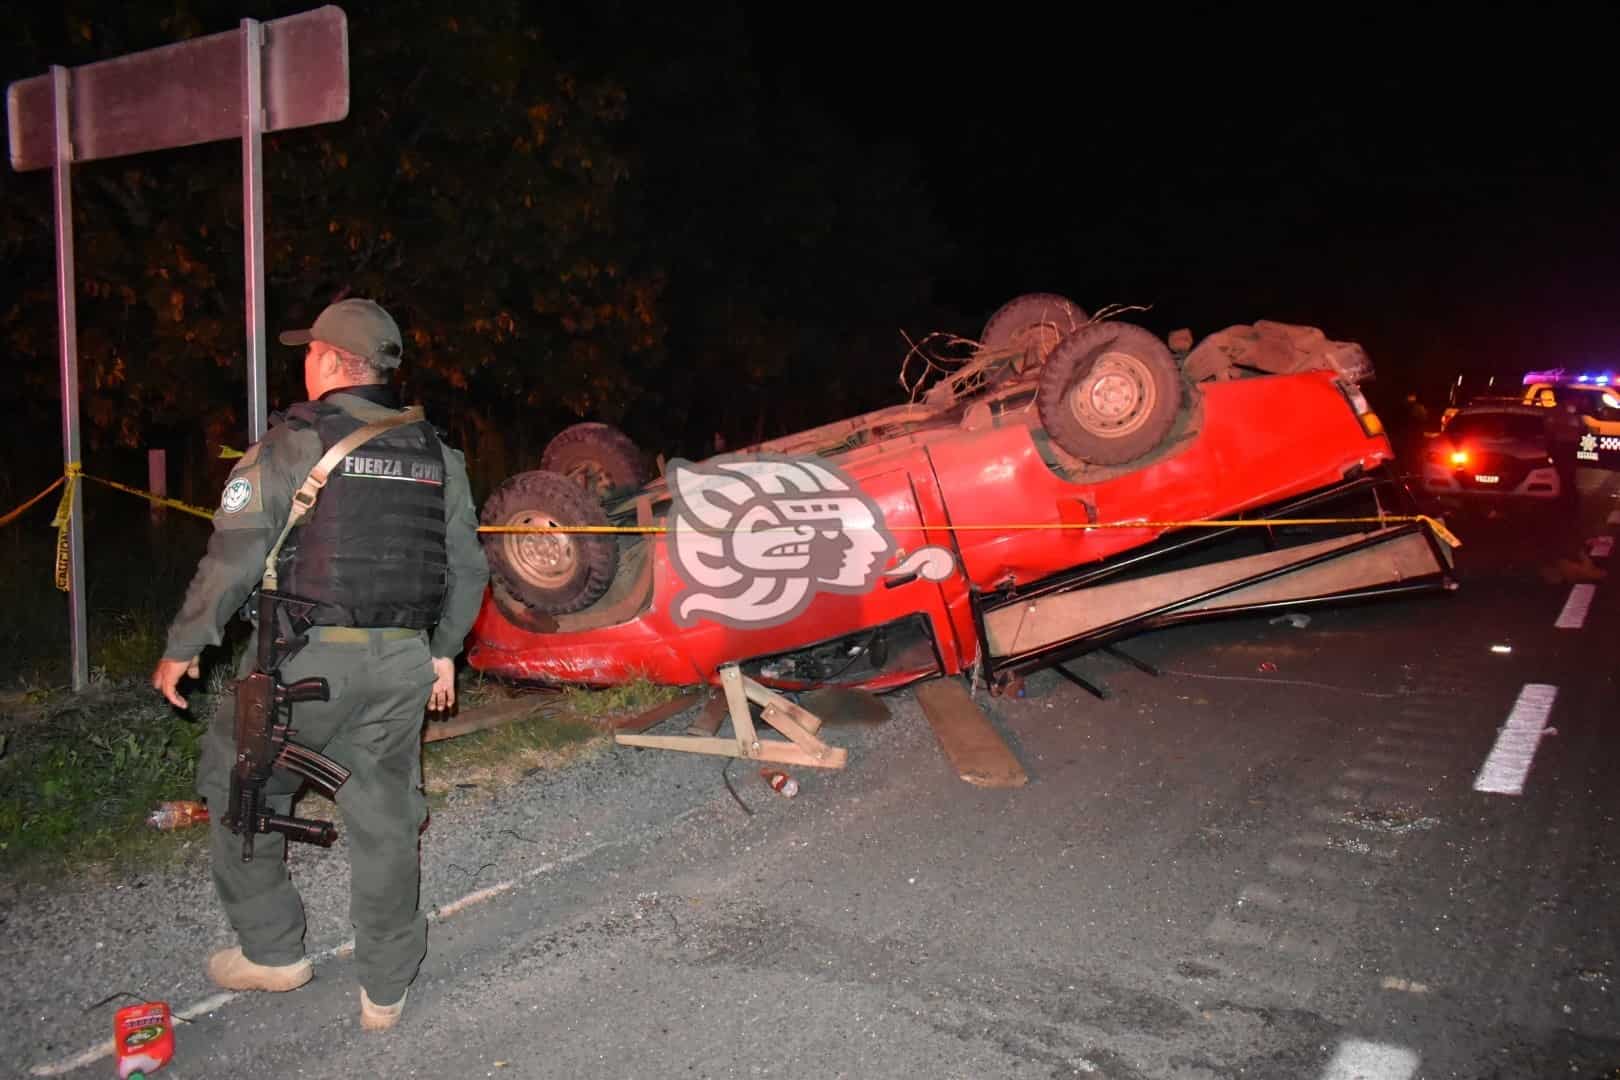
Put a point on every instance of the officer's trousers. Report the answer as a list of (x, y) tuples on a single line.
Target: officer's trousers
[(372, 725)]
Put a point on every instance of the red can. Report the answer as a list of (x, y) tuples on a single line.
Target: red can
[(143, 1036)]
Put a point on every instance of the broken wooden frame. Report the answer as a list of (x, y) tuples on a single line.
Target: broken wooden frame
[(1083, 611), (800, 725)]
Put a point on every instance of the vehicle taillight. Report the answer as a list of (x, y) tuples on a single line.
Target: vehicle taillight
[(1370, 424), (1459, 458)]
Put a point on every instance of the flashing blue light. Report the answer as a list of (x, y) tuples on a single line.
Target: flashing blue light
[(1602, 380), (1584, 378)]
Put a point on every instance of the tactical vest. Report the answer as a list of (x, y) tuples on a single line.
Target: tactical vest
[(372, 551)]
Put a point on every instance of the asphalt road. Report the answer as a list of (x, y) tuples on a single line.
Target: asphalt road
[(1270, 861)]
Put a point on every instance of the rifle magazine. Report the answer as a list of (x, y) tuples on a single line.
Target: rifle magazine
[(313, 766)]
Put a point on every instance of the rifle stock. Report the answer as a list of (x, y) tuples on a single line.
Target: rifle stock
[(264, 741)]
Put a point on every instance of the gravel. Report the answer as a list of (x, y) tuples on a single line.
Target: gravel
[(73, 943)]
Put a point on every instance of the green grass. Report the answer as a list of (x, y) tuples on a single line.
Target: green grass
[(547, 738), (563, 726), (632, 697), (79, 774)]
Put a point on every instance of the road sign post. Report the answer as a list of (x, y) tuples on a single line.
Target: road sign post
[(262, 77)]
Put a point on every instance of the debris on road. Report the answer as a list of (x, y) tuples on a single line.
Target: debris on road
[(177, 814), (143, 1038), (1397, 819), (780, 782)]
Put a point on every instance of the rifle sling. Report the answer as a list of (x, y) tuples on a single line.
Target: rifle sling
[(303, 499)]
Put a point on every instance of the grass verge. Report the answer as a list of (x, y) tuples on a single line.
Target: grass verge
[(562, 726), (547, 736), (79, 773)]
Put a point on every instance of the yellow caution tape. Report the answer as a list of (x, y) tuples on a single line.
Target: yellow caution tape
[(69, 482), (160, 500), (611, 530), (23, 509), (75, 472), (64, 517), (1434, 524), (226, 453)]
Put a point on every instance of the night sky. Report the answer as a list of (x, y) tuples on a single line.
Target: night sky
[(1441, 186)]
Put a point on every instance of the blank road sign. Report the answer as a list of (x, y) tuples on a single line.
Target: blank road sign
[(187, 93)]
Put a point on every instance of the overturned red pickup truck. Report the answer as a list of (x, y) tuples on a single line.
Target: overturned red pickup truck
[(1045, 499)]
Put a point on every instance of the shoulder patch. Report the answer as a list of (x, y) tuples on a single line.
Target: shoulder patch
[(237, 494)]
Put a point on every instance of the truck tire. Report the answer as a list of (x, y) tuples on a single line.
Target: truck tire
[(518, 613), (552, 573), (1037, 321), (598, 457), (1109, 393)]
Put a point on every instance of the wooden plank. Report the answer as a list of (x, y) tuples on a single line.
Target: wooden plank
[(785, 753), (806, 741), (742, 721), (777, 750), (979, 755), (482, 719), (656, 715), (692, 744), (709, 719)]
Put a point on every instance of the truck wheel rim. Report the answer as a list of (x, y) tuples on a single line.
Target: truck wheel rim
[(545, 560), (1115, 397)]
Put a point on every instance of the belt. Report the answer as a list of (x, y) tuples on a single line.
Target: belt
[(361, 635)]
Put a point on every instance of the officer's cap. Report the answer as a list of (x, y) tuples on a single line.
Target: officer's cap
[(358, 326)]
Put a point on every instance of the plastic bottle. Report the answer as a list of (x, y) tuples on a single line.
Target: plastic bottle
[(177, 814), (780, 782), (143, 1036)]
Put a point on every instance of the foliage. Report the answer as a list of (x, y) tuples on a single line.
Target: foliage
[(598, 213)]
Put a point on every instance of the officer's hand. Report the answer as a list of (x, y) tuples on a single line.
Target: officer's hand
[(443, 694), (166, 678)]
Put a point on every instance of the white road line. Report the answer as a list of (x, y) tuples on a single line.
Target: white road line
[(1573, 617), (1600, 547), (1509, 761), (1358, 1060)]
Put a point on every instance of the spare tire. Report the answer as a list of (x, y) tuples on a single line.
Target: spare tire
[(1109, 393), (1035, 321), (598, 457), (553, 573)]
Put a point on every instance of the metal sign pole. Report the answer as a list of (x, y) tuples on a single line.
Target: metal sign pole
[(67, 318), (287, 73), (253, 219)]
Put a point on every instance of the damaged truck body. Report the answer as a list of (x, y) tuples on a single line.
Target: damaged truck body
[(1088, 482)]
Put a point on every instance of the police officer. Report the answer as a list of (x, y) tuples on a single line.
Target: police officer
[(390, 556)]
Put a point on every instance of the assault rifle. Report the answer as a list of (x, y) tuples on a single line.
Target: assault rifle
[(264, 737)]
